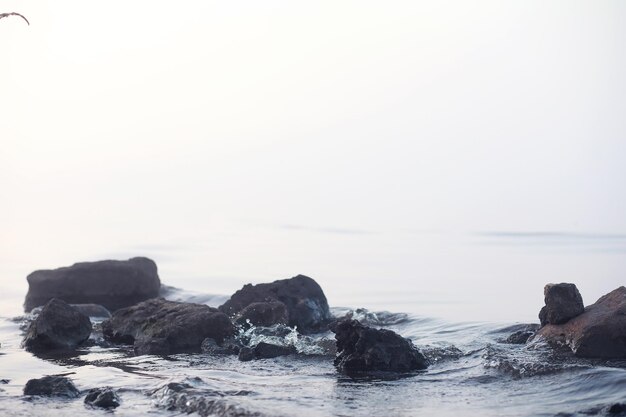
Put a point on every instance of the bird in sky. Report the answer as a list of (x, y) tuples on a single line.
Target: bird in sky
[(2, 15)]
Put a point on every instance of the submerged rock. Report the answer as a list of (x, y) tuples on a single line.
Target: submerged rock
[(162, 327), (306, 304), (51, 386), (600, 332), (113, 284), (265, 351), (563, 302), (362, 349), (102, 398), (264, 314), (58, 326)]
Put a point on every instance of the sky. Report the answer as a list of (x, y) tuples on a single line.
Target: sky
[(253, 140)]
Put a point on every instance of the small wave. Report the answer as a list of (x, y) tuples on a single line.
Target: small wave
[(374, 318), (523, 362), (190, 396), (282, 335)]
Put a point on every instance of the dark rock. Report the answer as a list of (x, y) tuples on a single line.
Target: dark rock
[(92, 310), (51, 386), (617, 409), (162, 327), (265, 351), (113, 284), (362, 349), (600, 332), (520, 337), (304, 299), (58, 326), (563, 302), (264, 314), (102, 398), (228, 347)]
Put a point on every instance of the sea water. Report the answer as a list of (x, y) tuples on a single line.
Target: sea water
[(456, 296)]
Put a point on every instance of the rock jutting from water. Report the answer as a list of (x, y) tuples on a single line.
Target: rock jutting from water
[(51, 386), (599, 332), (263, 314), (162, 327), (563, 302), (58, 326), (362, 349), (112, 284), (306, 304), (265, 350), (102, 398)]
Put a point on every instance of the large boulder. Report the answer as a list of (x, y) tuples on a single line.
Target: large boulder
[(162, 327), (600, 332), (304, 299), (58, 326), (51, 386), (113, 284), (563, 302), (362, 349)]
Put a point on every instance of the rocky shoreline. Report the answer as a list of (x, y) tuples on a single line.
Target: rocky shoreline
[(156, 326)]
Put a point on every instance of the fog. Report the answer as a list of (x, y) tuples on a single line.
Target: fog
[(449, 151)]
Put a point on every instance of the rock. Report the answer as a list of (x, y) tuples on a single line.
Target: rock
[(161, 327), (102, 398), (265, 351), (600, 332), (264, 314), (93, 310), (228, 347), (58, 326), (617, 409), (520, 337), (362, 349), (51, 386), (304, 299), (113, 284), (563, 302)]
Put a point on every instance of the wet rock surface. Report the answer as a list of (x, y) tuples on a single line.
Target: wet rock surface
[(102, 398), (518, 333), (303, 298), (93, 310), (264, 314), (162, 327), (563, 302), (211, 347), (58, 326), (362, 349), (112, 284), (51, 386), (265, 351), (600, 332)]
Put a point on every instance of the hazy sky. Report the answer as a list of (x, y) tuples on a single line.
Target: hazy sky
[(146, 122)]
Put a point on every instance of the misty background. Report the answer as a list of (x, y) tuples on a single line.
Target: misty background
[(444, 158)]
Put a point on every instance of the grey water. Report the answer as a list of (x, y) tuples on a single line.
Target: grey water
[(456, 296)]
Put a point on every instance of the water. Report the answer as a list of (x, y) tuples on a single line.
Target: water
[(456, 297)]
